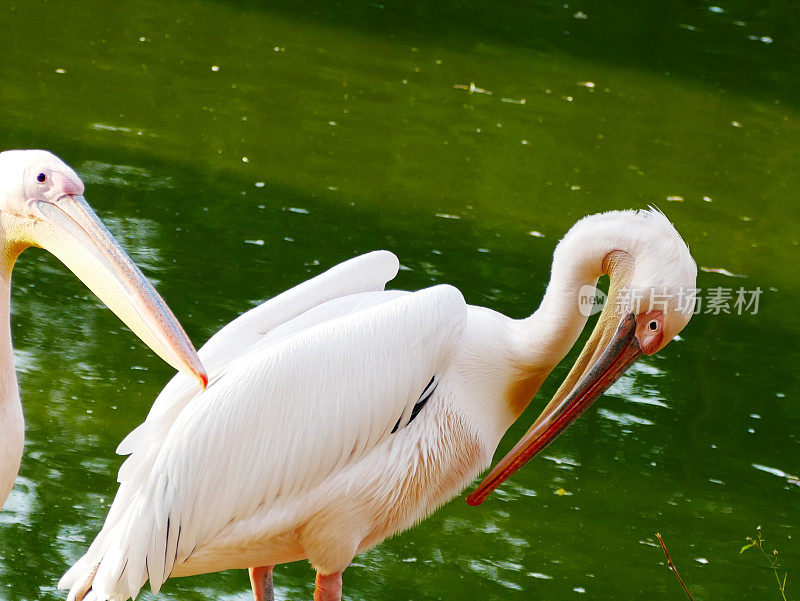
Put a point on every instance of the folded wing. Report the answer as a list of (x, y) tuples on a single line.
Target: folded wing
[(291, 411)]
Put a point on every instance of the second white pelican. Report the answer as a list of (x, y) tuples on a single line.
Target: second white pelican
[(42, 204), (338, 414)]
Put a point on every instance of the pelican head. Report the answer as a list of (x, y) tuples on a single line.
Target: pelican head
[(42, 205), (652, 279)]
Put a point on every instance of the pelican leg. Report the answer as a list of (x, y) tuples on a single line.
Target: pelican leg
[(261, 581), (328, 587)]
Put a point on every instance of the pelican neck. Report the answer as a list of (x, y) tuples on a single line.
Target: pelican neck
[(12, 425)]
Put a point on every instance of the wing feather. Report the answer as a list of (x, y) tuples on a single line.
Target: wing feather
[(368, 272)]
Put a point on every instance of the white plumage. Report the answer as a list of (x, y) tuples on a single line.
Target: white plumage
[(303, 445)]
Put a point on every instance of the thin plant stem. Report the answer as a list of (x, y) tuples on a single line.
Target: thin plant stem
[(772, 560), (674, 569), (774, 565)]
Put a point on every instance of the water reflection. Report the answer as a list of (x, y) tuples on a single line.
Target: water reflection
[(139, 236), (20, 503), (123, 176)]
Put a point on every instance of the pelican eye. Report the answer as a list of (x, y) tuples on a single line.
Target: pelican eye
[(41, 178), (653, 325)]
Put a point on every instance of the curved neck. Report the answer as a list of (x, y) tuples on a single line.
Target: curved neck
[(586, 253), (577, 265), (12, 426)]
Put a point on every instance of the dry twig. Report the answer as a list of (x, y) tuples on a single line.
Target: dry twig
[(672, 566)]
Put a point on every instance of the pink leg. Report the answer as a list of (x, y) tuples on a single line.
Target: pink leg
[(261, 581), (328, 588)]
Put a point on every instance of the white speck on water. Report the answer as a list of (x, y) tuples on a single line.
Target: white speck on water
[(288, 239), (736, 124), (215, 68), (581, 15), (579, 589), (536, 234), (567, 462), (448, 216), (525, 142), (780, 395), (333, 123), (61, 71), (473, 89), (483, 250), (751, 430), (567, 98), (722, 271), (707, 198), (675, 198), (298, 210), (687, 27), (260, 184), (780, 473), (701, 560), (624, 419), (333, 188), (716, 9), (715, 481), (645, 400), (144, 39), (540, 576), (104, 127), (755, 416), (256, 242), (513, 100), (575, 187), (760, 38), (245, 160), (586, 84)]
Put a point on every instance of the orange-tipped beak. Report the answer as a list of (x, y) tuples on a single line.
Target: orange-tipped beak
[(69, 229), (568, 403)]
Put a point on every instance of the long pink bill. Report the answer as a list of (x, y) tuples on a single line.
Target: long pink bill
[(621, 352)]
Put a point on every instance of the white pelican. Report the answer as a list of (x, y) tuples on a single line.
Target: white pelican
[(41, 204), (338, 414)]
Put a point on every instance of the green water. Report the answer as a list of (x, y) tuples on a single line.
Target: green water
[(358, 134)]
